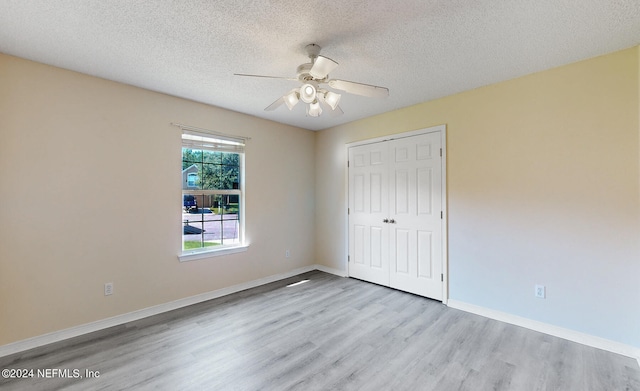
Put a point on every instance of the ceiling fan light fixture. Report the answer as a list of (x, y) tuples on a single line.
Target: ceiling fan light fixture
[(291, 99), (314, 109), (308, 93), (332, 99)]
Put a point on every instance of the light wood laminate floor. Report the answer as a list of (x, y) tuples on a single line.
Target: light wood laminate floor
[(330, 333)]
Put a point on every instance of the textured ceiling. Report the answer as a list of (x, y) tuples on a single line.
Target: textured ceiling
[(419, 49)]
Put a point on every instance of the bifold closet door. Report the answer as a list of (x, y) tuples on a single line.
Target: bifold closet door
[(395, 223)]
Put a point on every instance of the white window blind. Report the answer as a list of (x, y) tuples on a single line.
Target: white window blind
[(211, 142)]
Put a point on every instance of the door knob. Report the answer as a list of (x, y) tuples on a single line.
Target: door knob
[(385, 220), (392, 221)]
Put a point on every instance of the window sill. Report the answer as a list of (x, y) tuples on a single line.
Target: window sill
[(201, 254)]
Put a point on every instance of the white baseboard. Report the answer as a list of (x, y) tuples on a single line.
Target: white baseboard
[(571, 335), (76, 331), (61, 335), (330, 270)]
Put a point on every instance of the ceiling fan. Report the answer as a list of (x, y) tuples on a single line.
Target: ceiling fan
[(313, 75)]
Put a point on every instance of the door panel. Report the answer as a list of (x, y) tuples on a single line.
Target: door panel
[(376, 247), (358, 244), (376, 193), (416, 178), (368, 207), (402, 251), (358, 193), (425, 191), (425, 254), (401, 190)]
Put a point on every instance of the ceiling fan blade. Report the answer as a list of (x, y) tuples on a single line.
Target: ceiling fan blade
[(266, 77), (322, 66), (275, 104), (359, 88)]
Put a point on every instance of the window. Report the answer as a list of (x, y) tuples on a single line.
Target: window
[(212, 198), (191, 180)]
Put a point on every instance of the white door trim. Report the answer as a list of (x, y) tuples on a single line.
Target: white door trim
[(445, 225)]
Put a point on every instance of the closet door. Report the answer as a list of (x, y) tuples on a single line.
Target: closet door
[(415, 228), (368, 208), (395, 214)]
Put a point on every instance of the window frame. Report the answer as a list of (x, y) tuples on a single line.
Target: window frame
[(221, 143)]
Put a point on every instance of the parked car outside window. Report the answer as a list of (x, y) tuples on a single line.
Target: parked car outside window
[(189, 203)]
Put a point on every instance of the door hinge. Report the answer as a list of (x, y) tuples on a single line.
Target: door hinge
[(441, 214), (348, 211), (348, 258), (440, 152), (442, 277), (347, 163)]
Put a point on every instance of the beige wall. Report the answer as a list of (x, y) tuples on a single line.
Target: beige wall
[(90, 193), (543, 188)]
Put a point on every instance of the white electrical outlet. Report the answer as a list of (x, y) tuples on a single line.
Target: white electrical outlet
[(540, 291), (108, 288), (287, 253)]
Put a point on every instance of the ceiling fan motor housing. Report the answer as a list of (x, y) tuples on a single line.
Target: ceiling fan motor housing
[(303, 72)]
